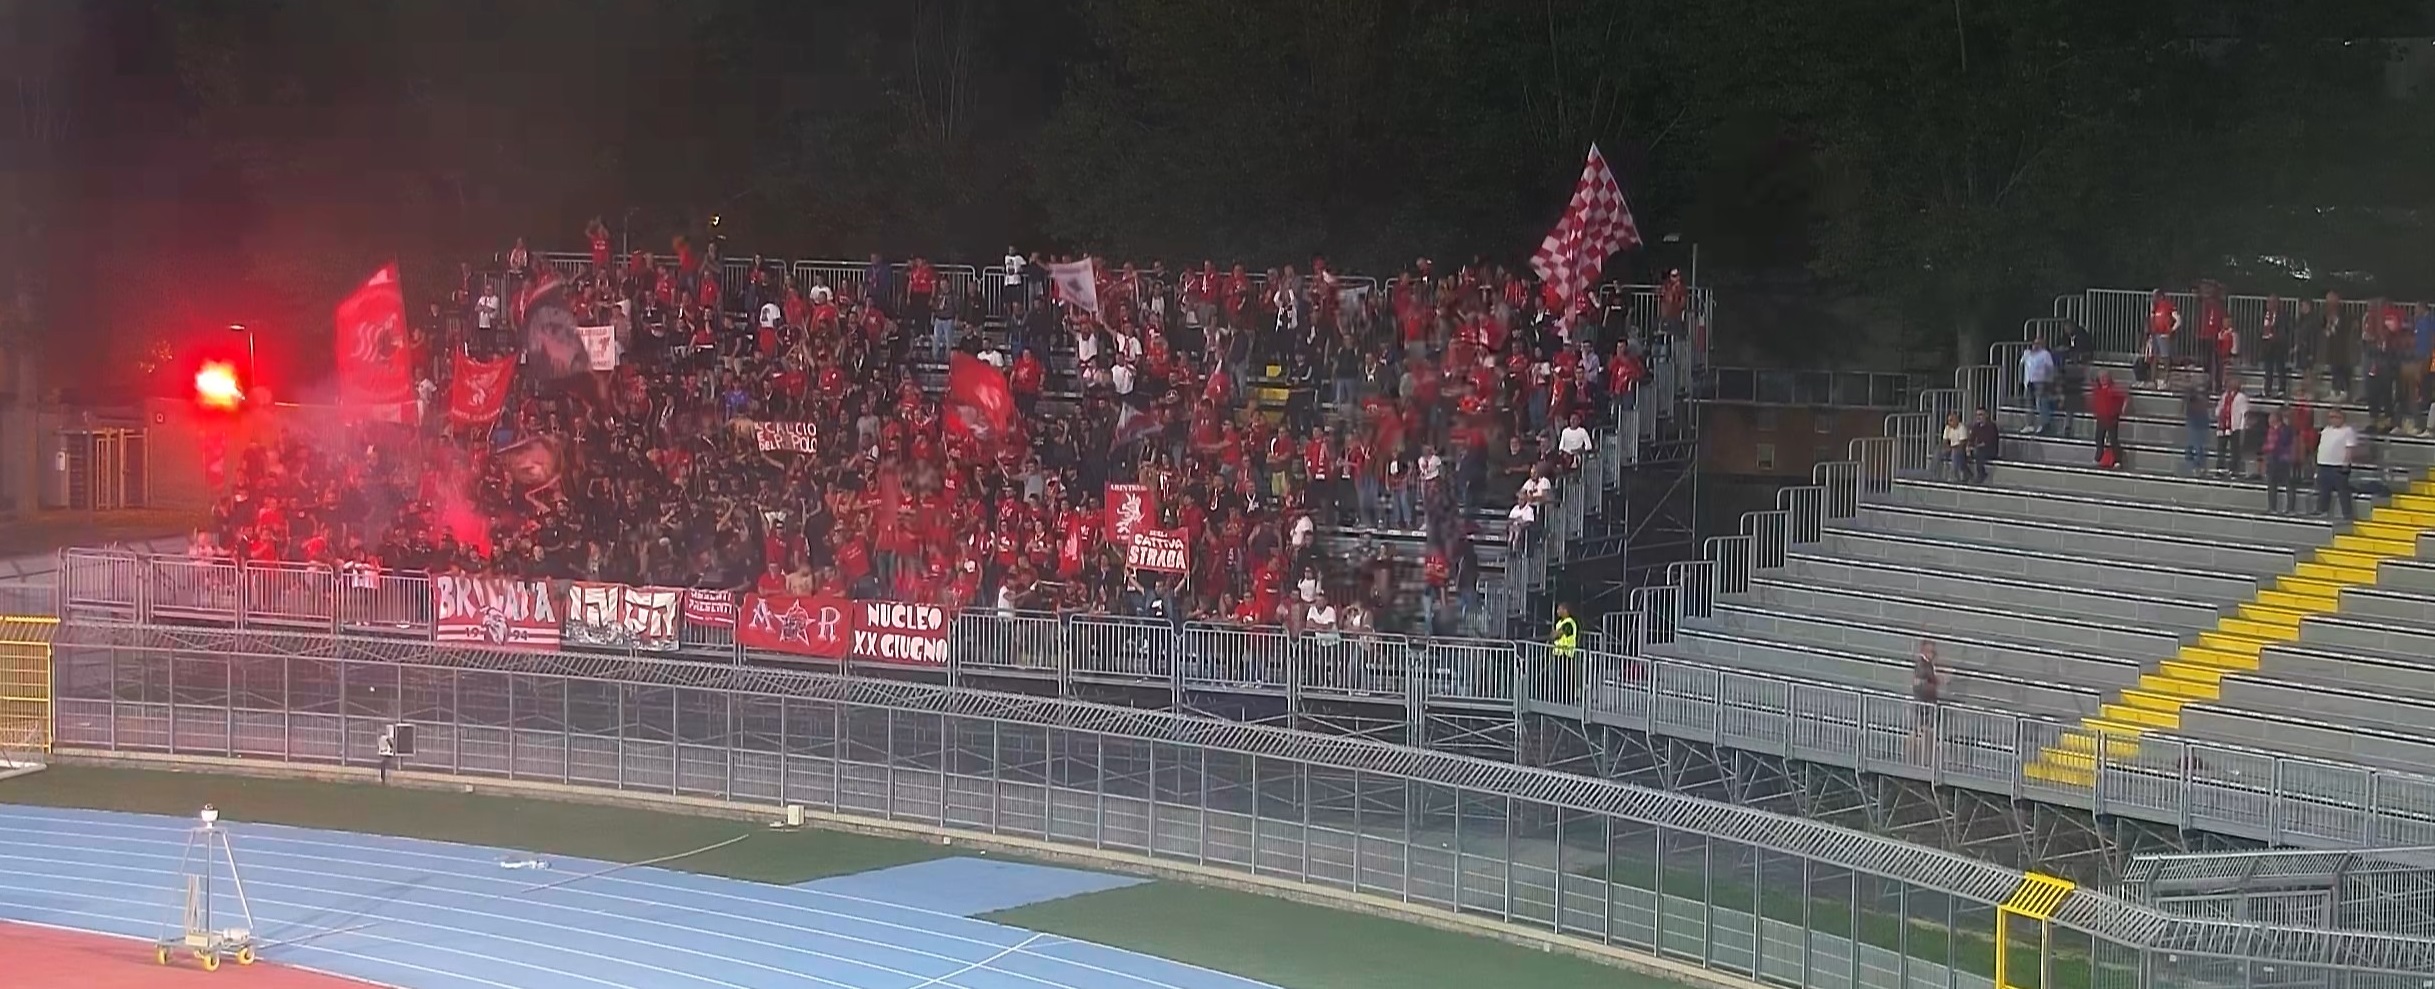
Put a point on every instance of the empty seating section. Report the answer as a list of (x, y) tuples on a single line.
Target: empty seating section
[(2128, 602)]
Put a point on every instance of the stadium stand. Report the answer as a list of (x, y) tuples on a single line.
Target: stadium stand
[(1291, 425), (2153, 594)]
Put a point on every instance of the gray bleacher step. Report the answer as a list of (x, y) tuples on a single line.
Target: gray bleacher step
[(2203, 554), (2167, 430), (1995, 499), (2306, 738), (2060, 600), (2415, 576), (2036, 660), (2146, 487), (2339, 633), (1963, 557), (2335, 705), (2083, 452), (2390, 676), (2129, 641), (2390, 606), (1742, 652)]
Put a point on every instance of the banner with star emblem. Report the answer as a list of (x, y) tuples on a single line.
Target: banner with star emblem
[(494, 611), (814, 625)]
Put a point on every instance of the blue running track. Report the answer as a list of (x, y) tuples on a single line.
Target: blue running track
[(430, 915)]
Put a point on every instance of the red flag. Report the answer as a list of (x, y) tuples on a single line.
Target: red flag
[(477, 390), (1596, 223), (375, 365), (978, 396)]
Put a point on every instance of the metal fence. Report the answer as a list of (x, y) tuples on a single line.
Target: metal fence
[(1783, 899)]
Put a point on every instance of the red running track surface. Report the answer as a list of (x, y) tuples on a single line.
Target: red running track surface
[(47, 958)]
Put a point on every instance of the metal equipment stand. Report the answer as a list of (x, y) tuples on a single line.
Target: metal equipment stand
[(207, 850)]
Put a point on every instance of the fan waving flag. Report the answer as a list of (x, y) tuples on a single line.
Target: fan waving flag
[(375, 361), (1077, 283), (1597, 223)]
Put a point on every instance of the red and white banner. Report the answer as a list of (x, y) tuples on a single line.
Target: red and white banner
[(1131, 509), (796, 437), (477, 390), (375, 362), (803, 624), (1160, 550), (621, 617), (496, 611), (711, 609), (895, 632)]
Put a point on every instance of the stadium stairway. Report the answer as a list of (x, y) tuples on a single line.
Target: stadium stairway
[(2237, 678)]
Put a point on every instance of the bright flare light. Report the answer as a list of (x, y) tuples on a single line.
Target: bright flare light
[(215, 386)]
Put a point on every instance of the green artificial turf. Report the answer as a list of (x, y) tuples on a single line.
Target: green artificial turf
[(1293, 945)]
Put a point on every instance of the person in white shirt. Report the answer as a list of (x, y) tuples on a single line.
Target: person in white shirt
[(1120, 378), (1574, 440), (1538, 489), (486, 309), (1320, 619), (2337, 450), (1957, 445), (1013, 265), (770, 315), (2038, 374)]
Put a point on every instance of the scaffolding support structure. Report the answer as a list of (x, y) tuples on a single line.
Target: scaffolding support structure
[(207, 852)]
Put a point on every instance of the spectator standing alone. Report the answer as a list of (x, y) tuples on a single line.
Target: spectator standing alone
[(2038, 373), (2231, 426), (2283, 452), (2197, 414), (2337, 449), (2106, 402)]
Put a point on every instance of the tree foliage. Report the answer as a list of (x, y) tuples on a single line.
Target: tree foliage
[(1917, 172)]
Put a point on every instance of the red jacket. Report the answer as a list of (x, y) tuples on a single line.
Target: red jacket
[(2107, 400)]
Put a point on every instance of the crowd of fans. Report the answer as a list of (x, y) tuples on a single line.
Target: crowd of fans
[(1413, 423)]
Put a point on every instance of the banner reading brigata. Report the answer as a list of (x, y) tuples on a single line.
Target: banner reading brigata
[(895, 632), (1131, 508), (1160, 550), (496, 611), (614, 615), (803, 624)]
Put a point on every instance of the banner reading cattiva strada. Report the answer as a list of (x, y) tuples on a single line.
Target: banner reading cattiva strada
[(642, 618), (894, 632), (1163, 551), (497, 611)]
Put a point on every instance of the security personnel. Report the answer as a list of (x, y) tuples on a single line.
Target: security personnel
[(1568, 632)]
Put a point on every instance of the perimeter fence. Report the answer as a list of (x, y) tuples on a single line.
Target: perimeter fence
[(1779, 899)]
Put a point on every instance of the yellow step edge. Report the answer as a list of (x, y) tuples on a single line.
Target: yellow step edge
[(2388, 515), (2243, 647), (2420, 499), (2067, 760), (2181, 688), (2272, 614), (2269, 631), (2309, 586), (2193, 672), (2162, 702), (2060, 775), (2140, 716), (2296, 602), (2347, 576), (2360, 562), (2390, 529), (2373, 548)]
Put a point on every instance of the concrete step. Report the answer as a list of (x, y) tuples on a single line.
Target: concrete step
[(2249, 526), (2035, 566), (2052, 600), (2039, 661), (2219, 555), (2128, 640)]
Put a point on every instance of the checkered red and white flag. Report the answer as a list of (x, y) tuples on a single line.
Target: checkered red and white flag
[(1597, 223)]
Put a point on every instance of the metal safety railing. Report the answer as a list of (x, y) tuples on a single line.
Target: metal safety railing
[(1722, 886)]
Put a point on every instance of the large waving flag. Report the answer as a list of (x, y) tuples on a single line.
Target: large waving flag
[(375, 363), (1595, 224)]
